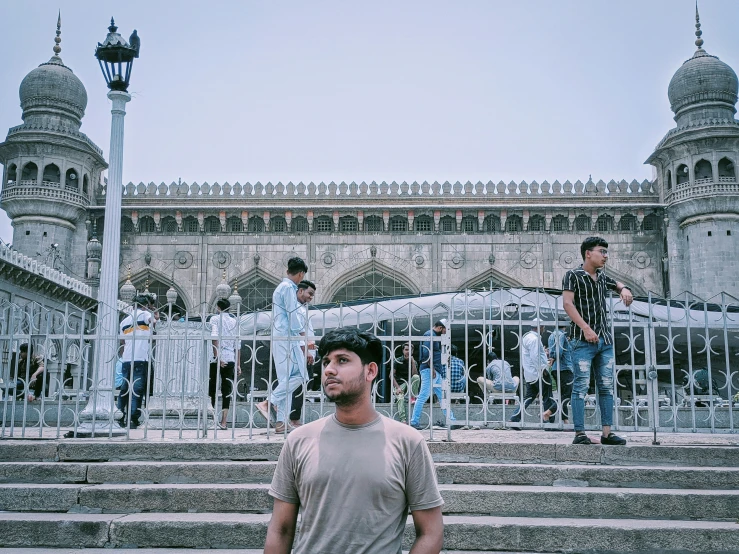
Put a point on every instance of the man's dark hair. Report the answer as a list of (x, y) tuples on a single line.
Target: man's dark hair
[(143, 299), (365, 345), (306, 284), (455, 351), (590, 243), (492, 355), (295, 265), (440, 324), (223, 304), (23, 347)]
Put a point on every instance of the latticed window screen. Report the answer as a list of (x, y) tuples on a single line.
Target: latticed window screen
[(560, 224), (373, 224), (256, 294), (256, 225), (398, 224), (424, 224), (492, 224), (324, 224), (190, 225), (605, 223), (447, 225), (169, 225), (147, 225), (514, 224), (234, 225), (650, 223), (126, 225), (373, 284), (348, 224), (212, 225), (469, 225), (537, 223), (582, 223), (300, 225), (279, 225), (627, 223)]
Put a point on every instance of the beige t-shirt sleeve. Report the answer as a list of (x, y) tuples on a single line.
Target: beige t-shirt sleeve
[(283, 485), (422, 491)]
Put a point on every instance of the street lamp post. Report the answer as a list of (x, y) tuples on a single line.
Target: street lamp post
[(115, 56)]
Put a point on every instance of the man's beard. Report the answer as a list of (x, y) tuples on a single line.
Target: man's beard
[(352, 393)]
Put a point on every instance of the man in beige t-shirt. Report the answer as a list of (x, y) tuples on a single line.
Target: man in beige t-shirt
[(355, 474)]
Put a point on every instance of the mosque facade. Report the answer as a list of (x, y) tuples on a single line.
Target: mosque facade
[(674, 233)]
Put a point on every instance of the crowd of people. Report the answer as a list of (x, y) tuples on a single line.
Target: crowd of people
[(565, 361)]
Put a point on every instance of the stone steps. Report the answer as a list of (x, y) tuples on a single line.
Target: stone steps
[(504, 449), (501, 494), (470, 533), (563, 474), (502, 500)]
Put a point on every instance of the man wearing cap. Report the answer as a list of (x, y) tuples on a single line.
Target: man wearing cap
[(137, 329), (535, 367), (223, 331), (432, 373)]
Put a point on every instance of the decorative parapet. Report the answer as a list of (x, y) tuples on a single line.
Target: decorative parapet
[(644, 190), (23, 262)]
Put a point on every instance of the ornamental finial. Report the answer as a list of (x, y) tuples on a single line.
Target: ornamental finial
[(698, 32), (58, 38)]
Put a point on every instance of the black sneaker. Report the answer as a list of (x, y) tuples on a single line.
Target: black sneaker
[(582, 438), (613, 440), (417, 427)]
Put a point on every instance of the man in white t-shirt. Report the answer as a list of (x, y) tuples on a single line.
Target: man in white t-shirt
[(224, 334), (354, 474), (137, 329)]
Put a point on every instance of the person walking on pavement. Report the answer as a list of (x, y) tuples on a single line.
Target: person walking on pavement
[(288, 351)]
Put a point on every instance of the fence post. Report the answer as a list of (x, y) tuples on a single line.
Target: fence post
[(650, 352)]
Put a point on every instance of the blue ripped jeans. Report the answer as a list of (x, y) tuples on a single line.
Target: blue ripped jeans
[(599, 356)]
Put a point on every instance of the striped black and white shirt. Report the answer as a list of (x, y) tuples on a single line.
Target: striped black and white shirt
[(590, 301)]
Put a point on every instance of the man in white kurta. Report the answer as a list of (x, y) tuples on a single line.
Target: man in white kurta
[(288, 349)]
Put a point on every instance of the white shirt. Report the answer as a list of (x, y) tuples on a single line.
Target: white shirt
[(136, 336), (223, 328), (304, 318), (533, 357)]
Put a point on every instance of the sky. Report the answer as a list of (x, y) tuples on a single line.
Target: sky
[(402, 90)]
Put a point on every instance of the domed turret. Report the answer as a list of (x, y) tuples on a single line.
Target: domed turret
[(704, 86), (52, 168), (696, 169), (52, 90)]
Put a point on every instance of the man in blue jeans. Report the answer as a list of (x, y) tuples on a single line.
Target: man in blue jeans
[(431, 357), (137, 329), (584, 299)]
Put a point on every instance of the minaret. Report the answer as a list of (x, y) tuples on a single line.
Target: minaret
[(696, 167), (51, 169)]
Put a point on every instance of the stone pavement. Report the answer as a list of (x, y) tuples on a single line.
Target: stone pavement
[(475, 435)]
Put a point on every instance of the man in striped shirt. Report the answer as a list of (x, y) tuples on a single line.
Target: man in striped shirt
[(584, 299)]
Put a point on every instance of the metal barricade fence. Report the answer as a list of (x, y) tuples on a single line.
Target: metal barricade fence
[(675, 367)]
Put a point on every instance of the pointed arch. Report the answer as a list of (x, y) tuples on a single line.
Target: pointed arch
[(255, 288), (160, 281), (484, 279), (369, 279)]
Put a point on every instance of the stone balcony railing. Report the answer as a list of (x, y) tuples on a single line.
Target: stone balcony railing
[(23, 262), (702, 188), (393, 193), (48, 190)]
